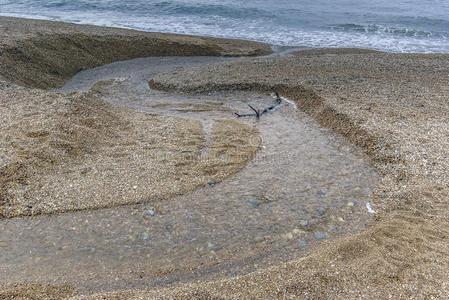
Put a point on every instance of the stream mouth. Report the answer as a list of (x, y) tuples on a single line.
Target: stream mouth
[(306, 185)]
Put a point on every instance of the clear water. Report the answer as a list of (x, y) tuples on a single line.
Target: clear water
[(398, 25)]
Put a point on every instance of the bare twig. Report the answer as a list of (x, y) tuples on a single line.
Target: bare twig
[(255, 110), (270, 108), (244, 115), (257, 113)]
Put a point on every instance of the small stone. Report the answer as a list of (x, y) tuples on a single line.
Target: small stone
[(320, 235), (296, 231), (304, 223), (320, 211), (341, 219), (259, 239), (333, 228), (321, 194), (288, 236), (144, 236), (253, 203), (213, 247), (135, 187), (212, 183), (350, 204), (302, 243), (149, 213)]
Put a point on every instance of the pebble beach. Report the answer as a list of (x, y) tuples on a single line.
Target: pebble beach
[(80, 155)]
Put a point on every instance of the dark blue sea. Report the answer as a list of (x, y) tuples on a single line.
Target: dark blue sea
[(391, 25)]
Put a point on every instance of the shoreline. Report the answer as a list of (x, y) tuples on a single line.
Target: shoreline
[(43, 54), (393, 106)]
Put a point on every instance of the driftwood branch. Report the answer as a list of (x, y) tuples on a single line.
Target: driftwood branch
[(243, 115), (257, 113), (270, 108)]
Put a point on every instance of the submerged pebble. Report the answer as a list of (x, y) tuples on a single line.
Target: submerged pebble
[(333, 228), (149, 213), (213, 247), (288, 236), (144, 236), (320, 235), (320, 211), (253, 202), (321, 194), (304, 223), (302, 243)]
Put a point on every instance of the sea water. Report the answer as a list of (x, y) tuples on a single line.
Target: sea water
[(389, 25)]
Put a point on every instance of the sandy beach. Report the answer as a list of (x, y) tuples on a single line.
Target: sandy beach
[(352, 202)]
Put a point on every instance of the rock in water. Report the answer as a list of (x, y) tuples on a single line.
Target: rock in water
[(144, 236), (320, 211), (320, 235), (149, 213), (302, 243), (253, 203), (304, 223)]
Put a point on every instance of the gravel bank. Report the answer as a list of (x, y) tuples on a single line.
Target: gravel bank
[(33, 291), (64, 153)]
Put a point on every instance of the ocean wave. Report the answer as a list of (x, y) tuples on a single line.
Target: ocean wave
[(292, 22), (138, 7), (227, 11), (382, 29)]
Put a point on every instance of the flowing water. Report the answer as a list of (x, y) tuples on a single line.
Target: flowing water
[(398, 26), (306, 185)]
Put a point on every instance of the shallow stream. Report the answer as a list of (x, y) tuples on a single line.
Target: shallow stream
[(306, 185)]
